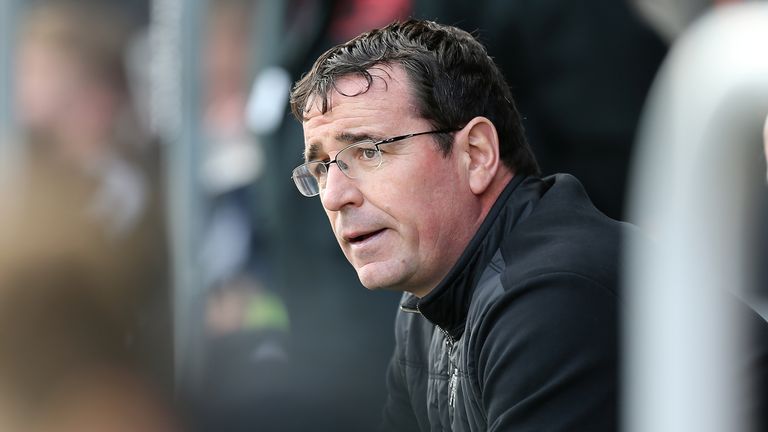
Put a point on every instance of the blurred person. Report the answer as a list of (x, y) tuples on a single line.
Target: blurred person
[(81, 140), (63, 362), (73, 106), (232, 161), (509, 316), (69, 359), (246, 325), (106, 401)]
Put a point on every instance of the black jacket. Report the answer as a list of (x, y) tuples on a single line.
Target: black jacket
[(523, 332)]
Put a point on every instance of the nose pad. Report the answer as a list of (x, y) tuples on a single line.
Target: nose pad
[(344, 167), (340, 189)]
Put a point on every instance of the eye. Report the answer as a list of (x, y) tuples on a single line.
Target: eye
[(317, 169), (366, 152), (369, 153)]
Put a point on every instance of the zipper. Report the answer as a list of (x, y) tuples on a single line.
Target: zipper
[(448, 338), (453, 385), (453, 381), (450, 342)]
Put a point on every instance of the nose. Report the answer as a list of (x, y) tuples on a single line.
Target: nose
[(339, 190)]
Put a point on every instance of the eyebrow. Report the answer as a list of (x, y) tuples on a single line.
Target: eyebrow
[(313, 150), (350, 138)]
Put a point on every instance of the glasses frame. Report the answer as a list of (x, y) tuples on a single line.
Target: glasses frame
[(375, 144)]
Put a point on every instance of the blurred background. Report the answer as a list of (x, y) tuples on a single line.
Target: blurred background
[(158, 269)]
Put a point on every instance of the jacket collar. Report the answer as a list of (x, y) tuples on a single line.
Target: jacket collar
[(447, 305)]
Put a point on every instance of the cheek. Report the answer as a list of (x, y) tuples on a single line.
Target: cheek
[(425, 196), (423, 216), (332, 219)]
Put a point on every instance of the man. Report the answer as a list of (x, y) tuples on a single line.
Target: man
[(509, 315)]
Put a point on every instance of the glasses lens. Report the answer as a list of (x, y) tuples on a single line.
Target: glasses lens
[(307, 177), (362, 157)]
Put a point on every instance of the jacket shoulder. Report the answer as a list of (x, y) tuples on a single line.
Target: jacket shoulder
[(565, 234)]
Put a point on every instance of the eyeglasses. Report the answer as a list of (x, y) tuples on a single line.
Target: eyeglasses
[(354, 160)]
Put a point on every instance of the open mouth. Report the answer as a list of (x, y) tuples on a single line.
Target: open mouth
[(364, 237)]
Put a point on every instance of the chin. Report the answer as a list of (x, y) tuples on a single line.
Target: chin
[(370, 283), (390, 275), (374, 278)]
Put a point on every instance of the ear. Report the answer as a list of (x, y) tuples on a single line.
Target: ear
[(482, 146)]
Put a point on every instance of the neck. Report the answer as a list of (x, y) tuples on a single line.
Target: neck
[(503, 176), (486, 201)]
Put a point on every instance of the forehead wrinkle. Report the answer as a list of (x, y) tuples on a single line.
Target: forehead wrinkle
[(351, 119)]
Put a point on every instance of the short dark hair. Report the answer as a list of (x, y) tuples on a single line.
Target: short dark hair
[(453, 80)]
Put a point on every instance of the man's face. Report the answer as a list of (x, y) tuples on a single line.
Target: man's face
[(404, 225), (48, 84)]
